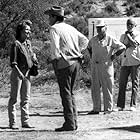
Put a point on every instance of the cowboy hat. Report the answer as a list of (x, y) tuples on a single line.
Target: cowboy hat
[(100, 23), (55, 10)]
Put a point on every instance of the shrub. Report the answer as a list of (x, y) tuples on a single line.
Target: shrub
[(4, 72)]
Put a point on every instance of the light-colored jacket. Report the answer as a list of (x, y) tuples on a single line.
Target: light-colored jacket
[(101, 54), (131, 56)]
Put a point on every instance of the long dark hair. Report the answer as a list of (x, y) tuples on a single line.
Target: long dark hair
[(21, 26)]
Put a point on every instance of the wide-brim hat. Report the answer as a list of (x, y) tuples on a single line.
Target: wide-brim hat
[(100, 23), (55, 10)]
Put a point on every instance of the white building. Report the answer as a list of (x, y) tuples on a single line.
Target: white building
[(115, 26)]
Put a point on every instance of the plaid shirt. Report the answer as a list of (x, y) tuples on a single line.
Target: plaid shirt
[(21, 55)]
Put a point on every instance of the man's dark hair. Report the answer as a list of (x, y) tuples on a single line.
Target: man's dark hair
[(59, 18)]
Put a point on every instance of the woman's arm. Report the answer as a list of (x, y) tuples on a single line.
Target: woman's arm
[(13, 60)]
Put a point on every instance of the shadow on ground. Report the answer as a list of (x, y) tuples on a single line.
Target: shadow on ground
[(57, 114), (7, 129), (135, 128)]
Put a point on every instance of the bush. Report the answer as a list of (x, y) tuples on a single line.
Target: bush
[(79, 23), (4, 72)]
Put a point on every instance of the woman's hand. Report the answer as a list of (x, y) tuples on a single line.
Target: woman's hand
[(34, 58), (21, 76)]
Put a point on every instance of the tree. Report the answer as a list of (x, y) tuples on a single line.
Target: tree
[(132, 8)]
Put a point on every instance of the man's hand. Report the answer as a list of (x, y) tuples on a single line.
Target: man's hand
[(81, 59), (54, 63)]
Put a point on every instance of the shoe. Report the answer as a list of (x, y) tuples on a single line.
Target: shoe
[(13, 126), (118, 109), (93, 112), (65, 129), (132, 108), (27, 126), (107, 112), (76, 127)]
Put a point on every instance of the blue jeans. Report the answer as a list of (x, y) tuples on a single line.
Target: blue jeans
[(124, 74), (21, 87), (66, 78)]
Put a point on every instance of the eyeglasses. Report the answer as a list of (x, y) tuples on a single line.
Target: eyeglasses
[(130, 25)]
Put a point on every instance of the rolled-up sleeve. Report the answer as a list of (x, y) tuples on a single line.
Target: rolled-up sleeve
[(83, 41), (116, 44), (55, 40), (13, 55)]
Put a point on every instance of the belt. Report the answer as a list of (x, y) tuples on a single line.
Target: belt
[(78, 59), (75, 58), (72, 59), (100, 62)]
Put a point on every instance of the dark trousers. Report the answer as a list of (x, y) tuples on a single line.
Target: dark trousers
[(66, 78), (124, 74)]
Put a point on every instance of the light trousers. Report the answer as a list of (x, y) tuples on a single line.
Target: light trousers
[(102, 79), (21, 87)]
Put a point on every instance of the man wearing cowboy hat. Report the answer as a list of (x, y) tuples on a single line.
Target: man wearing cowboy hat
[(103, 49), (66, 45)]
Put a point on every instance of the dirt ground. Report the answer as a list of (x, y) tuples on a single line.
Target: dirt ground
[(46, 115)]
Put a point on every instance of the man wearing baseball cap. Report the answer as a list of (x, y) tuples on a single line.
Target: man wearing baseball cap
[(66, 45), (103, 49)]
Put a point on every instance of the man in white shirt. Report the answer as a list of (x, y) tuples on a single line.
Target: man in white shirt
[(103, 49), (66, 46)]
